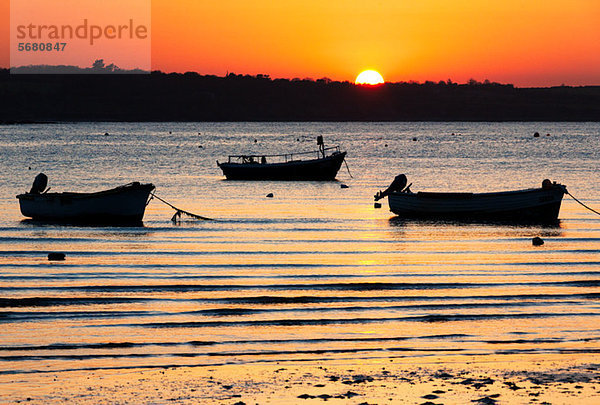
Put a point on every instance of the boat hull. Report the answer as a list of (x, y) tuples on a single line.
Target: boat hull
[(315, 169), (532, 205), (125, 204)]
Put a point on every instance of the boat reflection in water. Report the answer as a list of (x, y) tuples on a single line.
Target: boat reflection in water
[(121, 205), (535, 205)]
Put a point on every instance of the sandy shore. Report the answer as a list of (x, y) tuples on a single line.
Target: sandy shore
[(371, 381)]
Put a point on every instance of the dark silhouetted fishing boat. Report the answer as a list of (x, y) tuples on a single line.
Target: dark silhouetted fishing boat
[(529, 205), (120, 205), (324, 165)]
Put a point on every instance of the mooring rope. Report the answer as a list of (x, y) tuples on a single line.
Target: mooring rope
[(179, 211), (585, 206), (347, 168)]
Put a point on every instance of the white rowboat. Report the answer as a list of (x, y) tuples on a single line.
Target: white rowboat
[(124, 204), (535, 204)]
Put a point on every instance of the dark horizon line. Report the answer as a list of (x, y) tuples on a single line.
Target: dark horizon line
[(58, 122), (449, 81), (187, 97)]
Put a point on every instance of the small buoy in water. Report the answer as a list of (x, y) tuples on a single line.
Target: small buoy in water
[(106, 134), (536, 135), (170, 132), (547, 134), (297, 139), (414, 139), (343, 186), (377, 205), (29, 167), (270, 195), (56, 256), (537, 241), (255, 141), (200, 146), (386, 145)]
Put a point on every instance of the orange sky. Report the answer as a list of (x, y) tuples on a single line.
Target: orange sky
[(528, 43)]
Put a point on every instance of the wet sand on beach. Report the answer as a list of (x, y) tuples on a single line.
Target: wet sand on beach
[(537, 380)]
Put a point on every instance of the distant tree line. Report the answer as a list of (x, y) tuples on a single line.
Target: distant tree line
[(189, 96)]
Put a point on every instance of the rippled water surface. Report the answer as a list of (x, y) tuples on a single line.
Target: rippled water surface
[(315, 272)]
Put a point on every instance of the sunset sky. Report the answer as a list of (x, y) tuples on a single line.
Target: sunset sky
[(528, 43)]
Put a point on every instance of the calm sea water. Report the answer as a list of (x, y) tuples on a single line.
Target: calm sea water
[(314, 273)]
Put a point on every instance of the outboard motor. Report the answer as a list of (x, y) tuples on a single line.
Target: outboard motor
[(39, 184), (546, 184), (398, 185), (552, 185)]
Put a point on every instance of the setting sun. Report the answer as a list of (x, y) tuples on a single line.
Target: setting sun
[(371, 77)]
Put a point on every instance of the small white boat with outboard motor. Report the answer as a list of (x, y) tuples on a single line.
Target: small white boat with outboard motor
[(528, 205), (120, 205)]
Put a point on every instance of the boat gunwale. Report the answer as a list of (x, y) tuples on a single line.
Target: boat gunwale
[(467, 195), (286, 155), (288, 162), (69, 194)]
